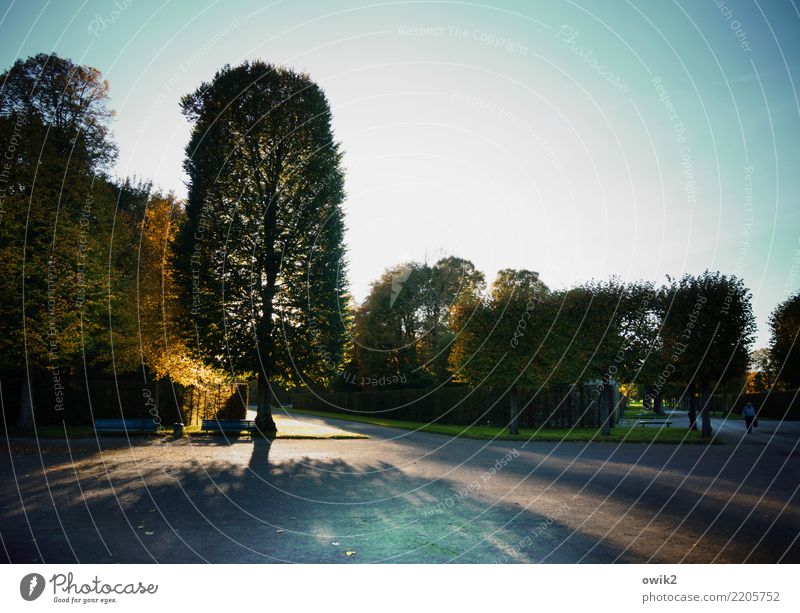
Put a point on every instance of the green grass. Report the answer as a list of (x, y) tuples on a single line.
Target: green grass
[(580, 435), (82, 432), (635, 414), (53, 432)]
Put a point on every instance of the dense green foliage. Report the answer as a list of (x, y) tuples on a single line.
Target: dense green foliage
[(248, 277), (66, 290), (402, 333), (784, 353)]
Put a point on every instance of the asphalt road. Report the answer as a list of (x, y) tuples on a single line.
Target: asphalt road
[(402, 497)]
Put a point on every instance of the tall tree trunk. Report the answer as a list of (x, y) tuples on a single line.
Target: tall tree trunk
[(514, 400), (692, 410), (264, 421), (705, 410), (25, 418), (604, 400), (658, 404)]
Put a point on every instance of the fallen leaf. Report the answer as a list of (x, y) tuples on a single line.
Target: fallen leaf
[(280, 530), (149, 533), (350, 553), (335, 543)]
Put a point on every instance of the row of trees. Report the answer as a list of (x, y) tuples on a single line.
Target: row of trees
[(104, 277), (689, 336), (85, 261), (247, 278)]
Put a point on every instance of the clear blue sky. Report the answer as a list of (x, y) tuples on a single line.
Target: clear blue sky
[(516, 134)]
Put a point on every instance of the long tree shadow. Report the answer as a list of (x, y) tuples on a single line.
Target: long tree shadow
[(309, 509), (706, 500)]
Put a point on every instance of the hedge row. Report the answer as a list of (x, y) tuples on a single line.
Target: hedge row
[(553, 407), (74, 402)]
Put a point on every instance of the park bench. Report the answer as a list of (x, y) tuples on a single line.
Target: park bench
[(654, 422), (143, 424), (228, 425)]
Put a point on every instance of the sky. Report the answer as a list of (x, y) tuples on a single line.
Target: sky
[(578, 139)]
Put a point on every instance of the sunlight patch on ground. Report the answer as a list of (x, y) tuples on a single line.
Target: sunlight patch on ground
[(289, 427)]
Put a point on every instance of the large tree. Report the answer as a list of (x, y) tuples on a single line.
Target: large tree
[(387, 329), (403, 329), (64, 290), (598, 320), (784, 348), (262, 254), (68, 100), (707, 330), (502, 339)]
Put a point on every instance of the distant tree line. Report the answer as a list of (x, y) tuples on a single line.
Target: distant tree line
[(104, 277), (690, 336)]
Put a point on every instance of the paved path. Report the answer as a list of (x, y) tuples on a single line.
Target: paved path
[(400, 497), (311, 427)]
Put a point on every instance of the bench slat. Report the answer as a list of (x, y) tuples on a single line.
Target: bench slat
[(124, 425), (228, 425), (655, 422)]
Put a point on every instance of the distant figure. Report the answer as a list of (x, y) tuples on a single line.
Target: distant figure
[(749, 414)]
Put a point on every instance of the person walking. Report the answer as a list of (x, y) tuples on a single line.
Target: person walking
[(749, 414)]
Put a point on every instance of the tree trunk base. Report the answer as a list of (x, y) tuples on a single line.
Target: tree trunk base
[(513, 426), (266, 426)]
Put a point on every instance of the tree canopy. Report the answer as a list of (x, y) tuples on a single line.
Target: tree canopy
[(262, 253), (784, 323)]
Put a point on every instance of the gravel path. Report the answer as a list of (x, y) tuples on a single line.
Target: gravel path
[(400, 497)]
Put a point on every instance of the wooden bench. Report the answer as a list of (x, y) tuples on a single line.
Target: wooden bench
[(654, 422), (228, 425), (121, 426)]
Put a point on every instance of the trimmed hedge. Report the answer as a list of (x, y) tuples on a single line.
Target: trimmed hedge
[(77, 403), (776, 405), (553, 407)]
